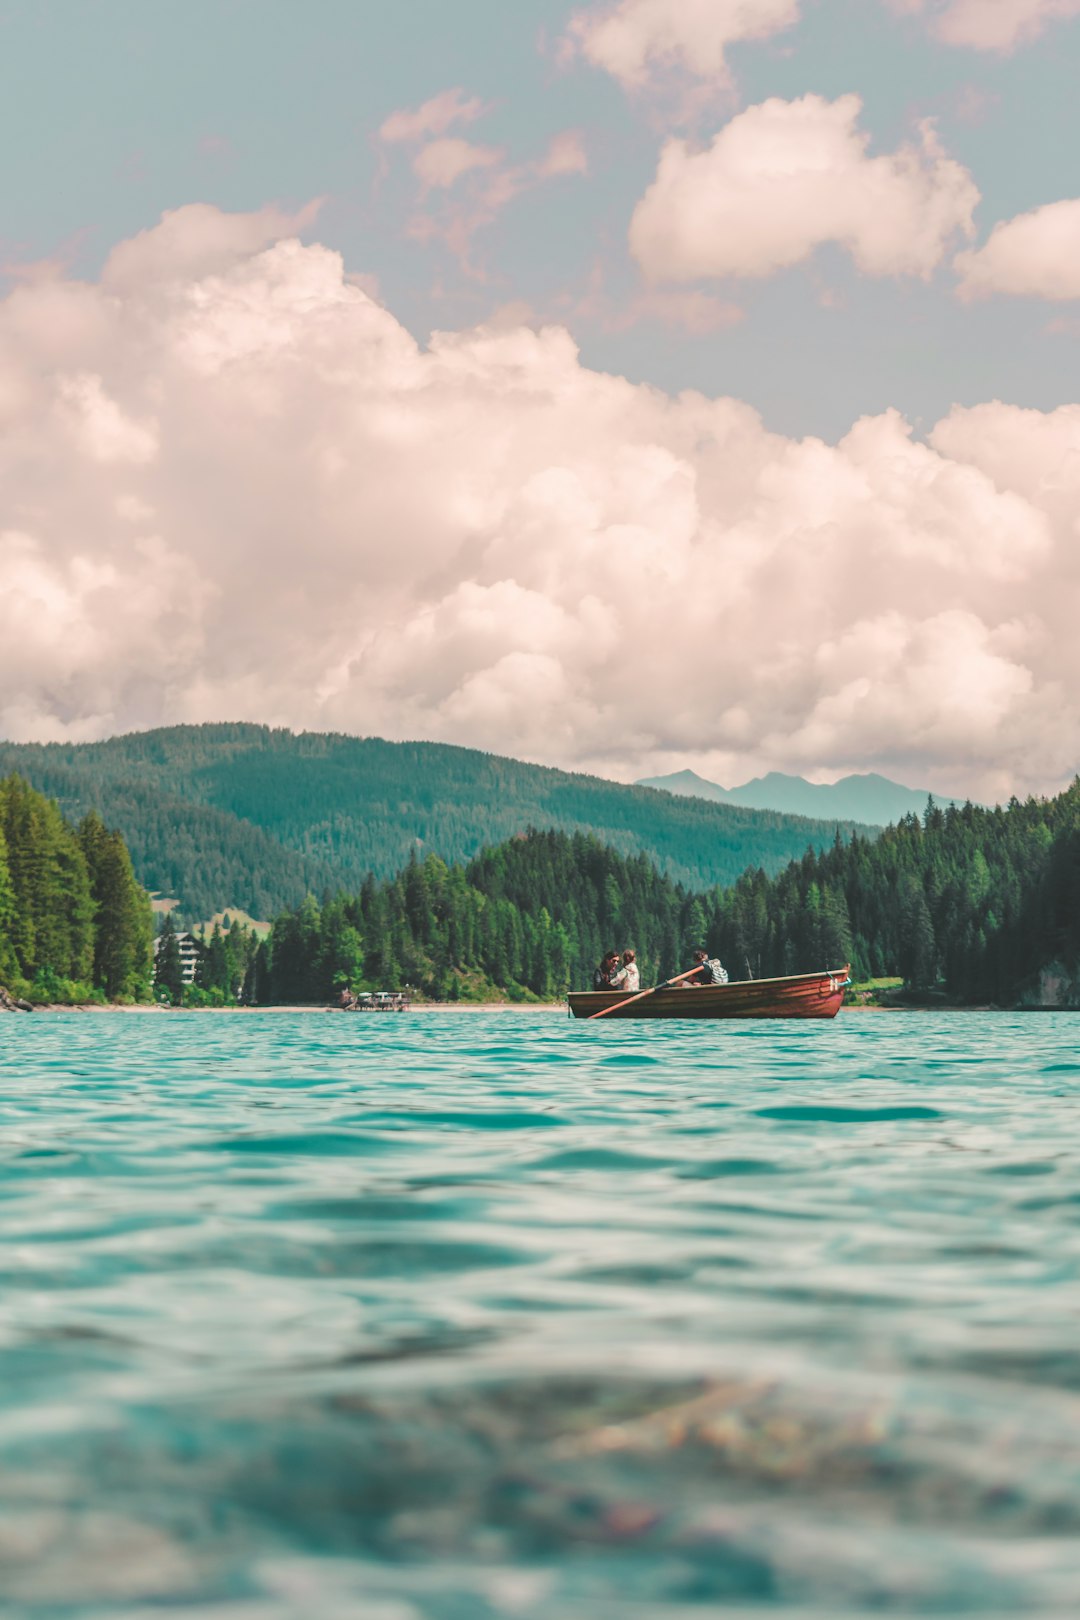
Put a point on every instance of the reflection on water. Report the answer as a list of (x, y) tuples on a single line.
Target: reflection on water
[(500, 1315)]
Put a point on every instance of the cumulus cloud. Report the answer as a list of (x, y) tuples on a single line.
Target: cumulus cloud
[(195, 241), (990, 25), (246, 491), (1036, 255), (785, 177), (635, 40)]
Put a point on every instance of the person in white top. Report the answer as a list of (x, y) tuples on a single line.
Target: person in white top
[(629, 976)]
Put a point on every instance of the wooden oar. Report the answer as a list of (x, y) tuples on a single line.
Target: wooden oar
[(643, 993)]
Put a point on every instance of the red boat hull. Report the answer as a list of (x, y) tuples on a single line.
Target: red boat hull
[(801, 995)]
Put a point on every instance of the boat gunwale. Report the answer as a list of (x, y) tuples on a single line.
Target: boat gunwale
[(730, 984), (788, 989)]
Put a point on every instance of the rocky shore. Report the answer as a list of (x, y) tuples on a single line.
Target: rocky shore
[(8, 1002)]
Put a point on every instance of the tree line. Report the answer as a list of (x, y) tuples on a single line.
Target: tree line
[(966, 900), (519, 922), (244, 815), (75, 925)]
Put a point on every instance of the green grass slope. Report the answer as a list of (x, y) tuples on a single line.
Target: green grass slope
[(242, 815)]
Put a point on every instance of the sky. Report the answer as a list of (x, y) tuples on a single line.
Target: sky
[(624, 386)]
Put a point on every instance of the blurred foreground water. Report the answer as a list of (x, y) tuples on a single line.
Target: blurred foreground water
[(495, 1314)]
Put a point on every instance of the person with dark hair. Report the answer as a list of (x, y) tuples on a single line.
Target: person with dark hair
[(606, 971), (710, 970)]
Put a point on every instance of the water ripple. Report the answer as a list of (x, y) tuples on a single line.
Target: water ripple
[(458, 1317)]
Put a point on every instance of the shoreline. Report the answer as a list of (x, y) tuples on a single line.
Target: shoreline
[(298, 1007), (453, 1008)]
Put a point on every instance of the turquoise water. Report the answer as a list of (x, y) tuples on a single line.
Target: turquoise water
[(496, 1314)]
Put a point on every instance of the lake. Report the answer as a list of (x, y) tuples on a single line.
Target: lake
[(493, 1314)]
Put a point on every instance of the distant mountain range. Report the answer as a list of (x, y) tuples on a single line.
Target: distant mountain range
[(242, 816), (870, 798)]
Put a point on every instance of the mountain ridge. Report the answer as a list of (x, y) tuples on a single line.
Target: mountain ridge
[(249, 816), (866, 797)]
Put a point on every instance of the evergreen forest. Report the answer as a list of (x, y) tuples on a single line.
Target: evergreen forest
[(964, 902), (75, 925), (243, 816)]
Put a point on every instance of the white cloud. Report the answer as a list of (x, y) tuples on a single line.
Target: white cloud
[(635, 39), (990, 25), (105, 432), (435, 117), (248, 492), (440, 164), (1034, 453), (784, 177), (1036, 255), (195, 241), (490, 185)]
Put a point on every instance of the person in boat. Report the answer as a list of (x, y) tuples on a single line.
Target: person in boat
[(601, 979), (710, 970), (627, 977)]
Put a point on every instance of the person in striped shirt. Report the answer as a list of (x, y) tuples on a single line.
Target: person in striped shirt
[(710, 970)]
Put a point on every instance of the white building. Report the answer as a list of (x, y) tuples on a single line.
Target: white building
[(189, 954)]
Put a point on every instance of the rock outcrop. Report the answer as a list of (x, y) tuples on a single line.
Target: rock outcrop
[(8, 1003), (1057, 986)]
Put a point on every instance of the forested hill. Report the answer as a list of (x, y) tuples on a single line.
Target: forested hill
[(245, 816), (967, 902)]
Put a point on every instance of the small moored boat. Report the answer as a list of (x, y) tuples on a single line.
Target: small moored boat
[(799, 995)]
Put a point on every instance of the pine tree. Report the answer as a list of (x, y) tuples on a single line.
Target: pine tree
[(123, 924), (917, 957), (342, 953), (297, 948), (169, 970), (52, 927), (218, 962), (8, 963)]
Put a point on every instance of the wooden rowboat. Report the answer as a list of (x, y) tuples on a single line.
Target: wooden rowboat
[(799, 995)]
